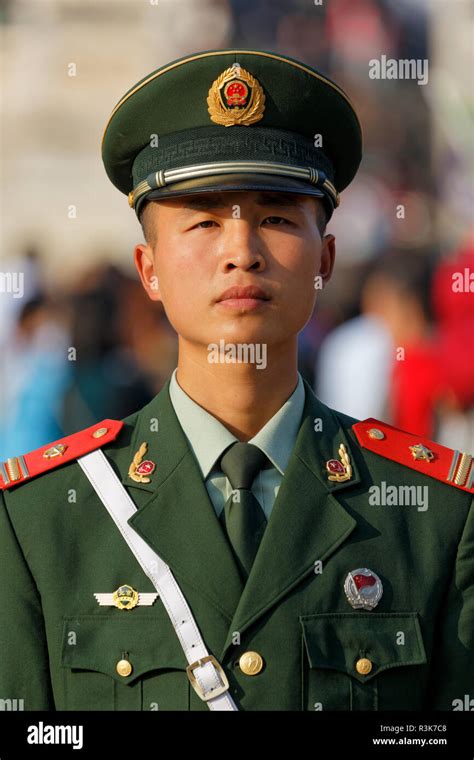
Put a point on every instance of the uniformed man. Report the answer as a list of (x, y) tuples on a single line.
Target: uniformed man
[(236, 544)]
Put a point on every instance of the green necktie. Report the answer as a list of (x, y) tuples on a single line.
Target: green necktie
[(243, 517)]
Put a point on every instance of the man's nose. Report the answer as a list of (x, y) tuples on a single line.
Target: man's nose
[(241, 248)]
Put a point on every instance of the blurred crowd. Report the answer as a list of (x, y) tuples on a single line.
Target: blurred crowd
[(391, 336), (407, 356), (96, 350)]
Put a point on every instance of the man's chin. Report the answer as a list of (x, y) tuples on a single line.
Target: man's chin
[(245, 330)]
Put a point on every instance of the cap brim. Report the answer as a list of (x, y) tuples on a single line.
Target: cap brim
[(235, 182)]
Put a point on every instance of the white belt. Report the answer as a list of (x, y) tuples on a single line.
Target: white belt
[(204, 672)]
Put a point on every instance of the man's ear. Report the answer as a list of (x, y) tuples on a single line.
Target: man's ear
[(328, 257), (144, 262)]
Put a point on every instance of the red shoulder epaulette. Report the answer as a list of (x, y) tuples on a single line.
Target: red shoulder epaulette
[(19, 469), (421, 454)]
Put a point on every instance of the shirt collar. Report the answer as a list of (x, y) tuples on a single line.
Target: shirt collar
[(278, 436), (209, 438)]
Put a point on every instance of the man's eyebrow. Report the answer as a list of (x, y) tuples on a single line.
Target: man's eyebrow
[(263, 199)]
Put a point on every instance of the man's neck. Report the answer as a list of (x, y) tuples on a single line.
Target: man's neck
[(241, 396)]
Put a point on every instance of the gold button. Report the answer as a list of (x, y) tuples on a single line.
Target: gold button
[(100, 432), (377, 434), (251, 663), (124, 668), (363, 666)]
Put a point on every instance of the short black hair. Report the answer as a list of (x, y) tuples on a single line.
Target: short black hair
[(322, 215), (146, 225), (322, 219)]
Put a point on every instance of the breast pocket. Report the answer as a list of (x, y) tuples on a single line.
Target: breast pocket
[(362, 661), (123, 661)]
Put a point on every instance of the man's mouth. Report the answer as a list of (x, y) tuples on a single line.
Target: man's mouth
[(240, 297)]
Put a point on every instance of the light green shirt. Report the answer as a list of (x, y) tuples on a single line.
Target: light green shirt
[(208, 439)]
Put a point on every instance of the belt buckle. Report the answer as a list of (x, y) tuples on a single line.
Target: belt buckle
[(197, 687)]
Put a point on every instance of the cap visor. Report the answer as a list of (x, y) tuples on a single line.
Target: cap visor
[(228, 182)]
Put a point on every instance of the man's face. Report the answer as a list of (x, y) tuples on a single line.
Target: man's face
[(205, 244)]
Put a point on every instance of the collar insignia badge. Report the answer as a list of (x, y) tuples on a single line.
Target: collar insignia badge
[(339, 469), (140, 468)]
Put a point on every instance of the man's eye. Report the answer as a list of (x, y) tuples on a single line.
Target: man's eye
[(276, 220), (205, 223)]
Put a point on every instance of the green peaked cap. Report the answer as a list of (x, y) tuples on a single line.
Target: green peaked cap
[(232, 120)]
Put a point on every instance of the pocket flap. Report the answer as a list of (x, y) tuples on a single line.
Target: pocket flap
[(339, 640), (99, 642)]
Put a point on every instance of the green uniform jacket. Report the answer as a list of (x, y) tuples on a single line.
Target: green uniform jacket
[(59, 546)]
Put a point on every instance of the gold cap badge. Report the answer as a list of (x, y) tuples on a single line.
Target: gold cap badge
[(236, 97)]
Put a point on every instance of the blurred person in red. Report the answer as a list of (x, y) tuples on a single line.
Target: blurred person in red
[(402, 288), (389, 351), (429, 313)]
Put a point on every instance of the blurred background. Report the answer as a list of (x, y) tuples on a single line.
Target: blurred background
[(391, 336)]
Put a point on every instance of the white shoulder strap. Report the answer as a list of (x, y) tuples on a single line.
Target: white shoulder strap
[(205, 673)]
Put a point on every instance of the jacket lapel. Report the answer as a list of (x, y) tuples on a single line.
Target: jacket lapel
[(307, 522), (175, 515)]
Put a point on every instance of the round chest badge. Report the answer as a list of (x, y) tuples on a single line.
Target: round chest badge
[(363, 588)]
